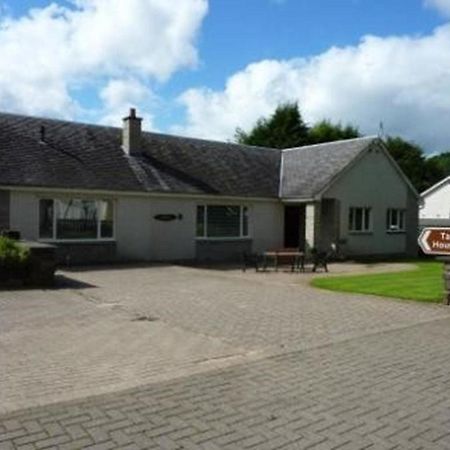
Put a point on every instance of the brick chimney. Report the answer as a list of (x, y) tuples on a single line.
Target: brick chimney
[(131, 135)]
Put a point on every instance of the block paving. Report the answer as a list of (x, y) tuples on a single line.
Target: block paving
[(359, 373), (383, 391)]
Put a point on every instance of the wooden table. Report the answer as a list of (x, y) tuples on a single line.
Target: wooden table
[(298, 259)]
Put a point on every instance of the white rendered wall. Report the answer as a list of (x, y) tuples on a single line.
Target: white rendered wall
[(267, 225), (436, 205), (24, 214), (139, 236), (372, 182)]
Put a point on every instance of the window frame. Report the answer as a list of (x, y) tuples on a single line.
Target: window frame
[(97, 201), (365, 228), (401, 212), (244, 211)]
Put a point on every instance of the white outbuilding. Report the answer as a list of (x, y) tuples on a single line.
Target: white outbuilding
[(435, 205)]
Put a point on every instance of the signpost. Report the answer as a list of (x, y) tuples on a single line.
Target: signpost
[(436, 241)]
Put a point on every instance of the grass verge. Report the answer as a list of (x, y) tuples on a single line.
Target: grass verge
[(423, 284)]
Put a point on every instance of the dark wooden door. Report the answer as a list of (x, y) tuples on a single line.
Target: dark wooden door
[(291, 226)]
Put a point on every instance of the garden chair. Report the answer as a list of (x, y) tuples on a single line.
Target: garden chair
[(322, 258), (253, 260)]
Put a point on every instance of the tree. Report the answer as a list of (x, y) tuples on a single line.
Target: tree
[(421, 171), (284, 129), (325, 131), (443, 162)]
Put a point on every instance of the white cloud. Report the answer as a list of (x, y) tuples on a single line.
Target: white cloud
[(56, 48), (119, 95), (443, 6), (402, 81)]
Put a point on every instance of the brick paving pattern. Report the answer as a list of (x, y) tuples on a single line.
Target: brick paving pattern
[(383, 391), (233, 361)]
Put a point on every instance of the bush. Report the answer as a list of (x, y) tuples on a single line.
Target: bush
[(13, 257)]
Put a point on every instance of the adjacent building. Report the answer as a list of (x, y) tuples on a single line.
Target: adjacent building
[(435, 205), (102, 194)]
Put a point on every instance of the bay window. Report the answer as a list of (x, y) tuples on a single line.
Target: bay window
[(76, 219), (222, 221)]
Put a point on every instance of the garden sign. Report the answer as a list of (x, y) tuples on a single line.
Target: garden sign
[(436, 241)]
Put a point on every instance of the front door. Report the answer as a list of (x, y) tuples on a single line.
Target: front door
[(292, 226)]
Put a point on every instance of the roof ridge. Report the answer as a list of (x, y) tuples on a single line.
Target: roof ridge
[(435, 186), (340, 141), (148, 133)]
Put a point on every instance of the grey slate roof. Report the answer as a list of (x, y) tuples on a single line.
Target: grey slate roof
[(80, 156), (307, 170)]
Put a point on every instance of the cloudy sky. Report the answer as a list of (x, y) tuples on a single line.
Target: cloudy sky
[(203, 68)]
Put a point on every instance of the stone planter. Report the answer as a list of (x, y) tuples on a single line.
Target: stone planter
[(38, 272), (42, 264)]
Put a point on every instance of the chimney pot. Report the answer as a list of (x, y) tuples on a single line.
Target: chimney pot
[(132, 134)]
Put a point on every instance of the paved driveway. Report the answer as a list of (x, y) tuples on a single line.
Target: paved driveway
[(219, 359)]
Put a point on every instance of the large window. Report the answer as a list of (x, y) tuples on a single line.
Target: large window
[(360, 220), (76, 219), (395, 220), (222, 221)]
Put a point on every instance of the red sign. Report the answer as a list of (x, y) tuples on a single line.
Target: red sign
[(435, 241)]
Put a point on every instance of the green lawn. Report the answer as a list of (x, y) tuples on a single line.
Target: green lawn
[(423, 284)]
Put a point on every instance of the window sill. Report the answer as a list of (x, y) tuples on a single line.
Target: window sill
[(360, 233), (76, 241), (246, 238), (395, 232)]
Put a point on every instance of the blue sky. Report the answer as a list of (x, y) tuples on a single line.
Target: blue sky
[(203, 68)]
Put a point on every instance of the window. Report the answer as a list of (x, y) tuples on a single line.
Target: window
[(46, 219), (222, 221), (76, 219), (395, 220), (360, 220)]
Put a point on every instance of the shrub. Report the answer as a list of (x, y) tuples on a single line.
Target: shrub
[(12, 255)]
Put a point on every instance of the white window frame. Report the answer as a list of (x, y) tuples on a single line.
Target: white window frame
[(401, 218), (90, 240), (365, 227), (205, 236)]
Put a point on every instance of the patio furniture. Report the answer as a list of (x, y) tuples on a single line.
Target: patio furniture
[(321, 258), (295, 257), (253, 260)]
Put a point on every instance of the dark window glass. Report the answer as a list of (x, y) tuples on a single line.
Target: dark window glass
[(106, 217), (360, 219), (46, 219), (223, 221), (76, 219), (395, 220), (366, 225)]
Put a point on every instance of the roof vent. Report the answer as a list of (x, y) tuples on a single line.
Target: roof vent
[(132, 134)]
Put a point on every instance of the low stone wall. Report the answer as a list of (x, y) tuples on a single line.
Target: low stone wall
[(86, 253), (222, 250)]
